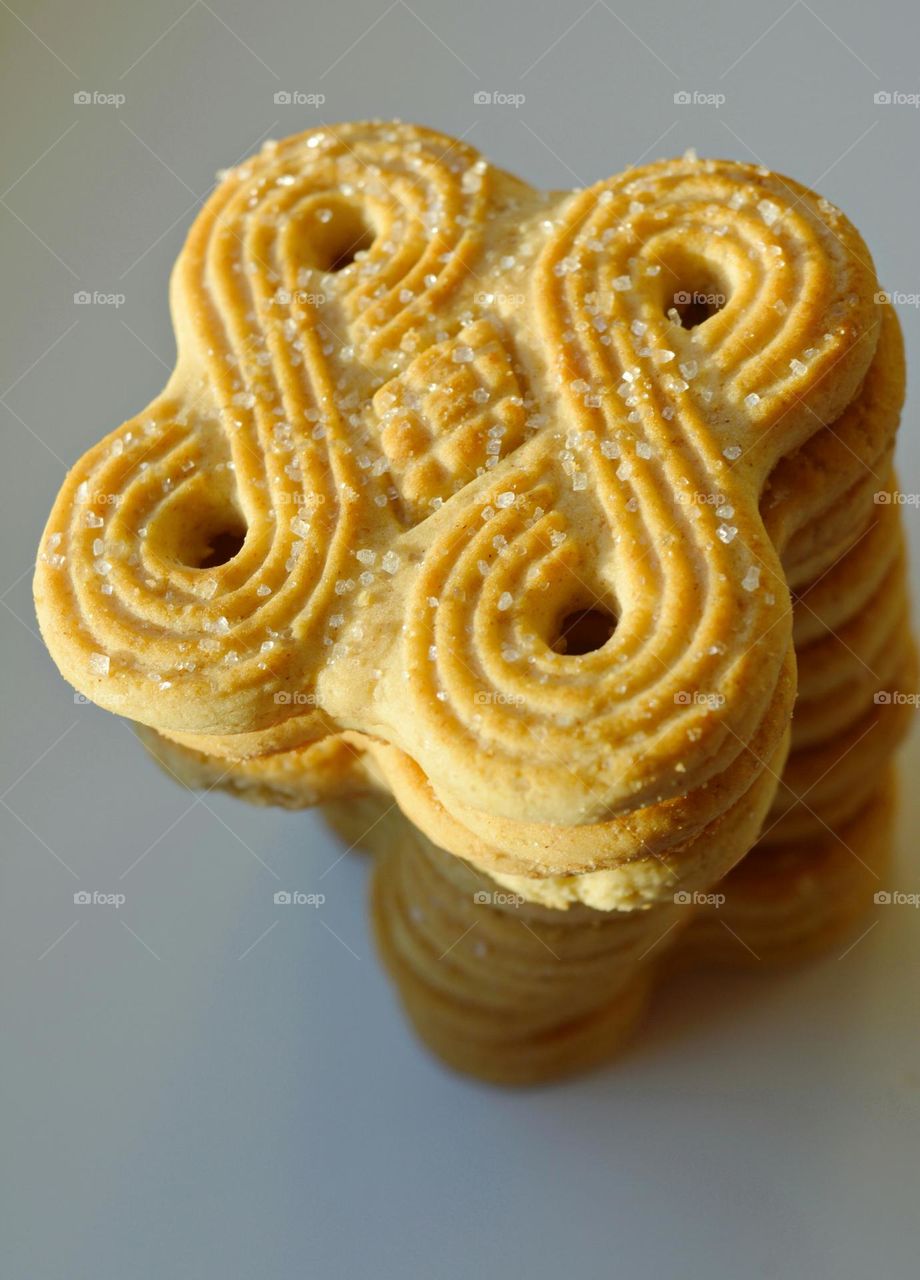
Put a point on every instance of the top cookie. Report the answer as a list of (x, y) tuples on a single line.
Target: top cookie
[(471, 469)]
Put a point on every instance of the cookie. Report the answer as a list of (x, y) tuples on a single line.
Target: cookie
[(432, 436), (517, 994), (500, 988), (820, 498), (784, 904)]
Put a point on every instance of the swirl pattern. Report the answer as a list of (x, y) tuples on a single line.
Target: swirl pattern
[(475, 472)]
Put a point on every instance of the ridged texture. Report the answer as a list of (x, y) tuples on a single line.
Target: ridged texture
[(516, 994), (445, 412), (503, 985)]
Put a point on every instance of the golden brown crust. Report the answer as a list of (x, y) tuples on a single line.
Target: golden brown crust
[(517, 994), (487, 420), (784, 904)]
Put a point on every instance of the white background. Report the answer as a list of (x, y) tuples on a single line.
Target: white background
[(200, 1084)]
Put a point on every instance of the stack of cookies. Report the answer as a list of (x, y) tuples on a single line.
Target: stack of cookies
[(512, 527)]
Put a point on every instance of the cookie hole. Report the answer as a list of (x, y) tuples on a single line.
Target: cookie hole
[(584, 631), (223, 546), (338, 234), (695, 306), (350, 252), (696, 311), (695, 290), (202, 542)]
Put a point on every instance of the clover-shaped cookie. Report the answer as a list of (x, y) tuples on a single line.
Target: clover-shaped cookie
[(472, 473)]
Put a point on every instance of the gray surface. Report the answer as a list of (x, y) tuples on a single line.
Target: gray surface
[(187, 1095)]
